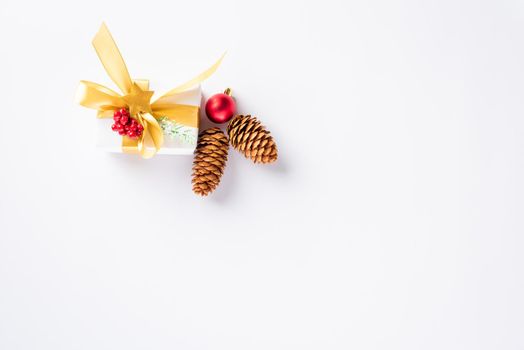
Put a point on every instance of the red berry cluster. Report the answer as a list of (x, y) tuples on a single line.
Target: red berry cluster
[(125, 125)]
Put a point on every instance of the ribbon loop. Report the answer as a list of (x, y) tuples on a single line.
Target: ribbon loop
[(96, 96), (112, 59)]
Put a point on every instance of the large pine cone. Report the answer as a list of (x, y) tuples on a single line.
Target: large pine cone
[(209, 161), (248, 136)]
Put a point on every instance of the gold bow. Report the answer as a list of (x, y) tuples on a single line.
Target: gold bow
[(136, 97)]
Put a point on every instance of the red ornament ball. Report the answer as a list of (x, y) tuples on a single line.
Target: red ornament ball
[(125, 125), (220, 108)]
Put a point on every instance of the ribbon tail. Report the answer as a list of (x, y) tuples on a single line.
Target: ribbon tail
[(152, 137), (196, 80)]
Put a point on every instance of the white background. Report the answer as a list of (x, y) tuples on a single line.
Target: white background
[(392, 220)]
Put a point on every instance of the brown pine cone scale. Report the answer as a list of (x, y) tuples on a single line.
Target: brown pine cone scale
[(251, 138), (209, 160)]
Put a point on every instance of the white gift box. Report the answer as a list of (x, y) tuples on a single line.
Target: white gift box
[(178, 138)]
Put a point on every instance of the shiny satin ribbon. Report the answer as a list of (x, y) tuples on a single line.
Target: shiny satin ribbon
[(136, 96)]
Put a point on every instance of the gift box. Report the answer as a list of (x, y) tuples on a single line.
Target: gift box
[(129, 121), (178, 138)]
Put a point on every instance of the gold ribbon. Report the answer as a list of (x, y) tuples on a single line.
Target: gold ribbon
[(136, 97)]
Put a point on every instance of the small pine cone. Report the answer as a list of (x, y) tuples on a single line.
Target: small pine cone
[(209, 161), (248, 136)]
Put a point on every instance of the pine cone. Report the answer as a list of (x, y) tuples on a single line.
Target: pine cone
[(209, 161), (248, 136)]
